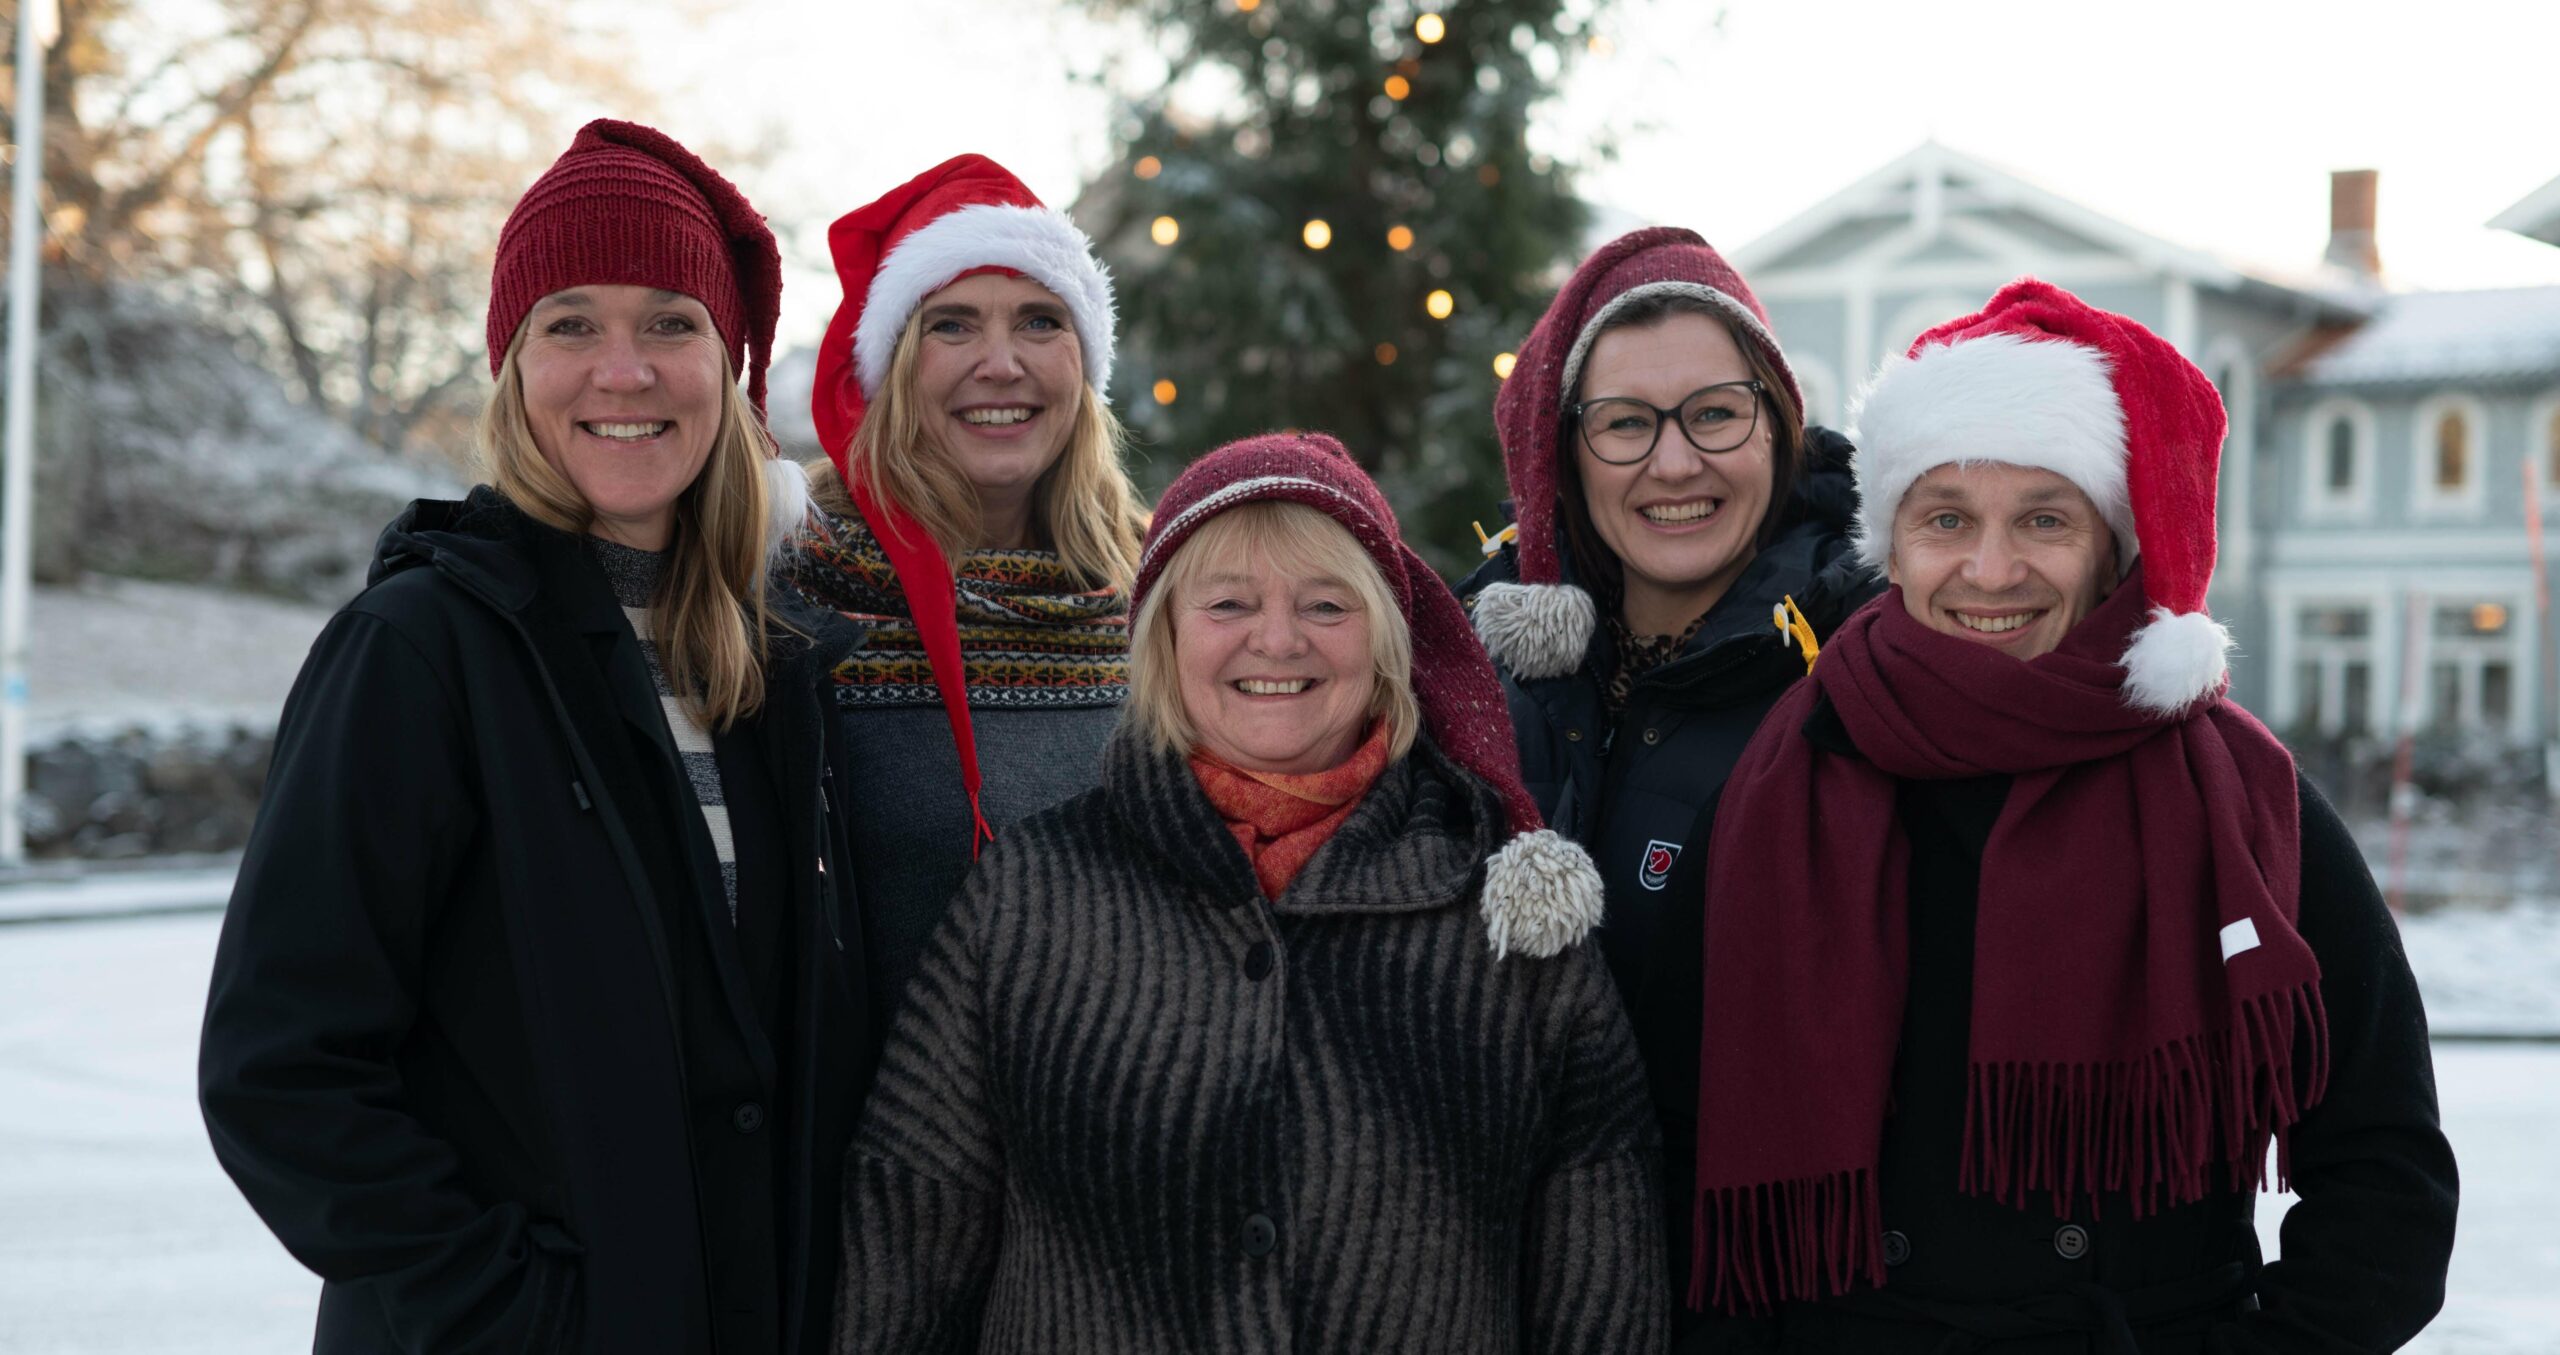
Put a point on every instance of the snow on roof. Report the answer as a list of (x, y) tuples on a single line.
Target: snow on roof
[(2511, 333), (2536, 215)]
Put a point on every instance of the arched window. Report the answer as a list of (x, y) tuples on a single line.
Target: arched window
[(2453, 451), (2340, 478)]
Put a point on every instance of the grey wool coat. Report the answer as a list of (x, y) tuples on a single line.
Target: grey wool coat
[(1132, 1106)]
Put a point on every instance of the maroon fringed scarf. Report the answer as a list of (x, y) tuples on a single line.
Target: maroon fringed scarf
[(2143, 1008)]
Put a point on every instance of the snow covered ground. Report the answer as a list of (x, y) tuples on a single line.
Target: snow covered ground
[(119, 651), (118, 1233)]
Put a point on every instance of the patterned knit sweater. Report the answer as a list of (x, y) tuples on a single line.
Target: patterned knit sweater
[(1133, 1107)]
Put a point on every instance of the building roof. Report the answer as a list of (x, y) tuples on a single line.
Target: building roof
[(2538, 215), (2509, 334)]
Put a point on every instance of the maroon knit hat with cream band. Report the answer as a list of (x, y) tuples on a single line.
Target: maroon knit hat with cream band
[(1540, 626), (1541, 892), (626, 205)]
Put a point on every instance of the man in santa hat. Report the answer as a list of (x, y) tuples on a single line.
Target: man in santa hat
[(2023, 942)]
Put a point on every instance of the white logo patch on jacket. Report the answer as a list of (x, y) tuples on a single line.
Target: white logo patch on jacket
[(1655, 870)]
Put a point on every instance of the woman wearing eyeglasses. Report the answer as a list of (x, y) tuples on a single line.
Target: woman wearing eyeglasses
[(1669, 501)]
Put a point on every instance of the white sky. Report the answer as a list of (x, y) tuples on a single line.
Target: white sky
[(2214, 124)]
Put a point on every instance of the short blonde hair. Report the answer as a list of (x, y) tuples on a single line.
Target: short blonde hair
[(708, 619), (1085, 503), (1300, 541)]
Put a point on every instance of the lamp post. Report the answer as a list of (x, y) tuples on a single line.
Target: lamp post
[(37, 22)]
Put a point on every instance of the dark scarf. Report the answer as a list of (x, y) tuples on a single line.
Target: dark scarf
[(2114, 1047), (1032, 634)]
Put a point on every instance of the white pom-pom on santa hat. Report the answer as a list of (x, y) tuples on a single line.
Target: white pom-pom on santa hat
[(2041, 378), (1535, 630)]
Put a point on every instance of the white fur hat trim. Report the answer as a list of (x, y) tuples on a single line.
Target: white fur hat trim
[(1999, 398), (1541, 895), (1038, 242), (786, 503), (1535, 630)]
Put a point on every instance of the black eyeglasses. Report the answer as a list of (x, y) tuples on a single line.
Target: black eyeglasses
[(1622, 430)]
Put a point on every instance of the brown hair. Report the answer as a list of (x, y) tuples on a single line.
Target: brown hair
[(709, 616), (1595, 566), (1084, 504), (1296, 538)]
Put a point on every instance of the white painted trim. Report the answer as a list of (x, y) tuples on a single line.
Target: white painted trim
[(2068, 271), (2426, 500), (2178, 314), (2447, 546), (2319, 502), (1858, 336), (1928, 311), (2236, 491)]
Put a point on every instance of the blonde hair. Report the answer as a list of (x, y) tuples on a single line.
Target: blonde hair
[(1299, 541), (1084, 503), (709, 616)]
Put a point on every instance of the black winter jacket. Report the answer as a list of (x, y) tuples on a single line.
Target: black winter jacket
[(2364, 1249), (1639, 792), (477, 1034)]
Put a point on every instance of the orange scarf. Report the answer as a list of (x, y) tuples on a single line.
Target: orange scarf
[(1280, 818)]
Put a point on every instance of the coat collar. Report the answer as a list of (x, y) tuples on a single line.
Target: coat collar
[(1416, 842)]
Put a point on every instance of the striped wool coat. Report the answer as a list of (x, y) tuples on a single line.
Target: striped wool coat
[(1131, 1106)]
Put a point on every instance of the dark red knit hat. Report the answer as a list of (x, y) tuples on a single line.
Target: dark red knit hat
[(627, 205), (1543, 635), (1541, 892)]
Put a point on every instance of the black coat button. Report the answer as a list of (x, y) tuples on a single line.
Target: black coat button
[(1897, 1248), (1260, 1235), (1257, 960), (748, 1117), (2071, 1242)]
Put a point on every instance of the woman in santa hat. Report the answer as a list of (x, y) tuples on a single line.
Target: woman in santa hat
[(976, 518), (534, 1026), (1670, 502)]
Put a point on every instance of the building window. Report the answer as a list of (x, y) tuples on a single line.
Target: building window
[(2341, 478), (2453, 452), (2333, 679), (2471, 667), (2338, 459)]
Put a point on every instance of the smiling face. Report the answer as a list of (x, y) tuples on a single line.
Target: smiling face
[(998, 376), (1273, 661), (623, 394), (2009, 557), (1682, 523)]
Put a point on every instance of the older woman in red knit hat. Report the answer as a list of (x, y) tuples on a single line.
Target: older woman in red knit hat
[(1284, 1037), (536, 1023)]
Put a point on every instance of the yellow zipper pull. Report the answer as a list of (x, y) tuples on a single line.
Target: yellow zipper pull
[(1492, 545), (1798, 631)]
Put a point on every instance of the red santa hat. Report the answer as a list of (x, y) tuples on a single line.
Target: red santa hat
[(1540, 626), (966, 215), (1541, 892), (2041, 378)]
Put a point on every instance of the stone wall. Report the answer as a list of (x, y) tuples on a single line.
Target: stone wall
[(112, 793)]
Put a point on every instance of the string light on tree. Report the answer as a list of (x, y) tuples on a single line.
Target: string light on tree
[(1147, 167), (1318, 234), (1385, 353), (1430, 27), (1398, 87), (1439, 305), (1399, 238), (1164, 391), (1164, 230), (1502, 363), (1247, 6)]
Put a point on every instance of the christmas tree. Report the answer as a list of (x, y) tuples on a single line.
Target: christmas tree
[(1352, 238)]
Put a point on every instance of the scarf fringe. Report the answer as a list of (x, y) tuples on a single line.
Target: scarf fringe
[(2154, 1128), (1763, 1244)]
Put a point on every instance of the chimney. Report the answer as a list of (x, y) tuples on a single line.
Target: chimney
[(2351, 219)]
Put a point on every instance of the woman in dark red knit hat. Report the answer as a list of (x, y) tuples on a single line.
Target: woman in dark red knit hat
[(1671, 502), (1284, 1037), (537, 1023), (976, 520)]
